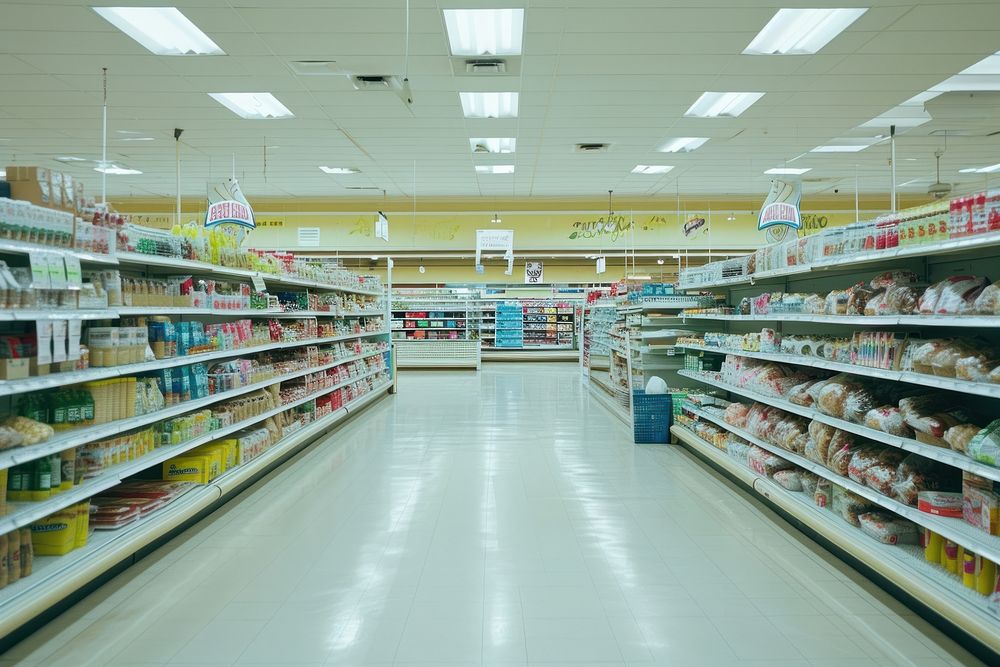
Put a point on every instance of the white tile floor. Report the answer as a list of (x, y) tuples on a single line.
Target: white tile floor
[(499, 518)]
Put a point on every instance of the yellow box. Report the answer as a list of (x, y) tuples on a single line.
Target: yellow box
[(55, 535), (230, 449), (200, 469), (82, 524)]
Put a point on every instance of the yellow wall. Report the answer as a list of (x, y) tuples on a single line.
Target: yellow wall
[(583, 272)]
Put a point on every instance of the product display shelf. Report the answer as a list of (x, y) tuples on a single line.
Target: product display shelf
[(22, 248), (22, 514), (948, 456), (221, 312), (55, 577), (429, 353), (11, 387), (852, 261), (902, 565), (73, 438), (604, 389), (953, 529), (951, 384), (978, 321), (450, 335), (176, 265)]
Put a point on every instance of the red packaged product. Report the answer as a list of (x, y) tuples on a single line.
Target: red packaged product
[(940, 503)]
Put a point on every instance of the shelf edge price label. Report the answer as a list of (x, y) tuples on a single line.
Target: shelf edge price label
[(258, 282)]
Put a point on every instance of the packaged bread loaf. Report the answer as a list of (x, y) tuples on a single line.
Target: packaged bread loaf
[(890, 278), (976, 365), (932, 414), (842, 448), (959, 436), (916, 474), (882, 475), (862, 459), (850, 505), (820, 436), (985, 445), (736, 414), (799, 394), (808, 480), (765, 463), (988, 301), (788, 479), (889, 528), (888, 419)]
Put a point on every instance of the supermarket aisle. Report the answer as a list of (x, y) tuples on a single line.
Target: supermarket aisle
[(494, 518)]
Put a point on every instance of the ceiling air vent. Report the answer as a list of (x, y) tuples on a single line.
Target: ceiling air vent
[(315, 67), (371, 82), (362, 187), (308, 236), (486, 66), (591, 148)]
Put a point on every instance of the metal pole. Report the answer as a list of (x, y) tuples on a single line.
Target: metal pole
[(104, 141), (177, 159), (857, 207), (892, 162)]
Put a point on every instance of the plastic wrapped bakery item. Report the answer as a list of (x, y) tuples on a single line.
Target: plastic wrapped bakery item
[(888, 528), (928, 300), (888, 419), (836, 302), (738, 450), (900, 300), (862, 459), (736, 414), (889, 278), (955, 296), (916, 474), (988, 301), (791, 433), (745, 306), (858, 298), (958, 437), (32, 432), (799, 394), (765, 463), (850, 505), (788, 479), (845, 397), (985, 445), (813, 304), (882, 474), (924, 352), (808, 481), (932, 414), (842, 448), (820, 437), (875, 304), (976, 367), (945, 359)]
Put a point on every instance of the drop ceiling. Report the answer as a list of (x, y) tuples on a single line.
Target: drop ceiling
[(621, 73)]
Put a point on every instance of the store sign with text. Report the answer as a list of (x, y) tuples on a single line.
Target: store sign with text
[(496, 240), (780, 211), (534, 273), (227, 205)]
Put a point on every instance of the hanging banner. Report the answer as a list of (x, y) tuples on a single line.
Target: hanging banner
[(534, 273), (382, 227), (602, 264), (228, 206), (780, 211), (495, 240)]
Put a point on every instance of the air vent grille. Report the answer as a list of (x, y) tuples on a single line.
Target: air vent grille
[(308, 236)]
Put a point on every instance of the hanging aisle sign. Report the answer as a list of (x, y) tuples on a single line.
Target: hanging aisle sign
[(382, 227), (227, 205), (780, 211), (495, 240), (534, 273)]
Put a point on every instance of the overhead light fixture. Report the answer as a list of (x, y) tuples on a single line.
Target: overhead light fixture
[(421, 268), (968, 170), (489, 105), (485, 32), (981, 170), (374, 258), (651, 168), (840, 148), (255, 106), (659, 260), (729, 105), (70, 158), (164, 31), (116, 170), (493, 144), (340, 170), (494, 169), (496, 219), (788, 171), (731, 217), (801, 31), (136, 139), (682, 144)]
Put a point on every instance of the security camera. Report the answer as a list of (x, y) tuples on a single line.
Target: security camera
[(836, 191)]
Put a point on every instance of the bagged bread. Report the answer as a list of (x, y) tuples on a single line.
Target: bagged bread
[(858, 402), (985, 445), (945, 359), (820, 436), (836, 302), (959, 436), (791, 433), (850, 505), (932, 414), (899, 300), (808, 481), (862, 459), (916, 474), (833, 395), (788, 479), (876, 304), (765, 463), (976, 366), (882, 474), (956, 295), (888, 419), (988, 301), (842, 449), (799, 394), (888, 528), (890, 278), (736, 414), (858, 297)]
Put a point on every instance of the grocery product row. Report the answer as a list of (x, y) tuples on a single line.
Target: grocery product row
[(958, 225), (953, 579)]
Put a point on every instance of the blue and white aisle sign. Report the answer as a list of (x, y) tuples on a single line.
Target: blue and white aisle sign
[(780, 211), (228, 206)]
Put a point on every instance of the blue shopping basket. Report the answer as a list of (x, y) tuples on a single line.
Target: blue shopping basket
[(652, 417)]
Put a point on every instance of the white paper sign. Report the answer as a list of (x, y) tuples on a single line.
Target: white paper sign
[(494, 240), (43, 330), (602, 264), (534, 273), (382, 227), (39, 270), (59, 340), (258, 282), (57, 272), (73, 341), (74, 274)]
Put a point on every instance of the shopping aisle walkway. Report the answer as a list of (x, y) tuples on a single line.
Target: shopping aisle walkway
[(497, 518)]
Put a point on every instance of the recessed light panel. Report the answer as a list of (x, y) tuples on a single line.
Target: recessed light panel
[(651, 168), (493, 144), (489, 105), (254, 106), (340, 170), (840, 148), (787, 171), (714, 105), (484, 32), (682, 144), (801, 31), (494, 169), (116, 169), (162, 30)]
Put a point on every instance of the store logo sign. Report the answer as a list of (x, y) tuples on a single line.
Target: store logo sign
[(534, 273), (227, 205), (781, 207)]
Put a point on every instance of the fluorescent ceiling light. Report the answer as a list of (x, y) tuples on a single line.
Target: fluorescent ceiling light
[(682, 144), (494, 169), (340, 170), (489, 105), (253, 105), (801, 31), (788, 171), (136, 139), (70, 158), (981, 170), (988, 65), (484, 32), (651, 169), (713, 105), (493, 144), (116, 169), (162, 30), (839, 148)]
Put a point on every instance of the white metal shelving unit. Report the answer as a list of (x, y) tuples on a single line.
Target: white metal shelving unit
[(446, 337), (366, 377)]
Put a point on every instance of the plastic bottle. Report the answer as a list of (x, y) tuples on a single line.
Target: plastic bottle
[(986, 576), (67, 472), (41, 485), (950, 557), (55, 474)]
